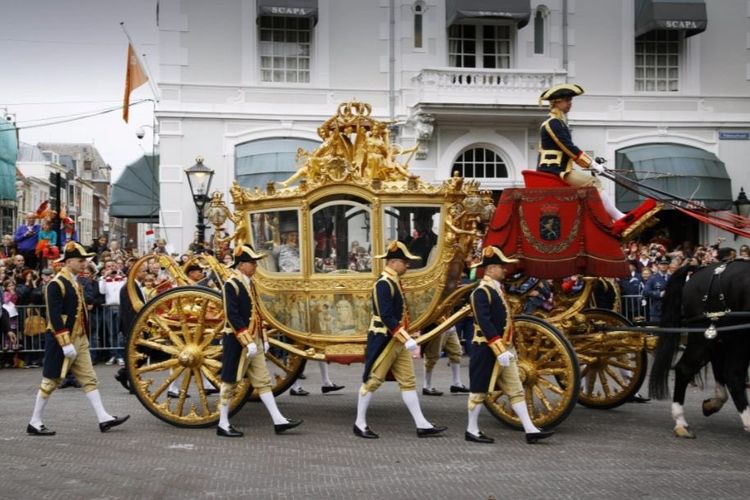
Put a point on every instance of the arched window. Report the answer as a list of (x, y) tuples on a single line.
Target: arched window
[(273, 159), (480, 162), (418, 18)]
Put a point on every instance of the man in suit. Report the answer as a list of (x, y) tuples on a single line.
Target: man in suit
[(245, 345), (493, 332), (389, 343), (67, 344), (656, 286)]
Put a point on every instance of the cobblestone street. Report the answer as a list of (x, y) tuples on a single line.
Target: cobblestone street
[(627, 452)]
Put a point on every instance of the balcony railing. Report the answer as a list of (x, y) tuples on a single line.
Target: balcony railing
[(484, 86)]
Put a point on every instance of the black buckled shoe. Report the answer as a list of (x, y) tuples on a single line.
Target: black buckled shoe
[(331, 388), (367, 433), (231, 432), (432, 431), (105, 426), (210, 391), (281, 428), (431, 392), (478, 438), (459, 388), (533, 437), (43, 430), (298, 392), (637, 398)]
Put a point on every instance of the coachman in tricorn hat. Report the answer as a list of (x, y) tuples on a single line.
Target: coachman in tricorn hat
[(67, 342), (558, 154), (389, 343), (493, 342), (245, 344)]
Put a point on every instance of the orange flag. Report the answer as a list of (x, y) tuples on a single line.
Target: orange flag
[(134, 78)]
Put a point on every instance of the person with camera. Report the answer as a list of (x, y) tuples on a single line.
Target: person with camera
[(67, 345)]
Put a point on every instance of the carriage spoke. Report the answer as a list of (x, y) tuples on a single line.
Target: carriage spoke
[(590, 381), (542, 398), (171, 350), (201, 390), (164, 365), (622, 364), (615, 376), (551, 387), (605, 383), (276, 361), (171, 378), (169, 333), (183, 391)]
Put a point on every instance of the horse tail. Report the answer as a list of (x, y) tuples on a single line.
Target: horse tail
[(671, 316)]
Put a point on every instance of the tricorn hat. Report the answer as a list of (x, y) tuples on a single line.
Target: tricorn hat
[(397, 250), (493, 255), (73, 250), (560, 92), (246, 253)]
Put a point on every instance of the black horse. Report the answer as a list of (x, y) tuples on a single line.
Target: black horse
[(691, 293)]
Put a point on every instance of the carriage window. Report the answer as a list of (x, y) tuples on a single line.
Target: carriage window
[(277, 234), (341, 234), (418, 227)]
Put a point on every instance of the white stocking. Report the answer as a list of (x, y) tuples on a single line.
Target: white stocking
[(456, 371), (273, 410), (96, 401), (362, 403), (427, 378), (38, 415), (325, 379), (610, 207), (523, 414), (224, 417), (678, 415), (412, 403), (473, 426)]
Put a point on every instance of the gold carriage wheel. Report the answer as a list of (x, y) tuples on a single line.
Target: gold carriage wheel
[(549, 372), (175, 338), (613, 365)]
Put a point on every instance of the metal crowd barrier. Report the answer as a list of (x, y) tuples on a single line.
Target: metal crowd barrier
[(104, 327), (635, 308)]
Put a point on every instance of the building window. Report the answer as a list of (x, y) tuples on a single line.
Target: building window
[(480, 163), (472, 46), (539, 32), (418, 17), (657, 61), (285, 49)]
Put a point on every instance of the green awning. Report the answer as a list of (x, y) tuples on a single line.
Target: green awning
[(683, 171), (487, 11), (687, 15), (135, 194), (8, 155)]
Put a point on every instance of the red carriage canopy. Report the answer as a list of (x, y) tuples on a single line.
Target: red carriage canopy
[(557, 232)]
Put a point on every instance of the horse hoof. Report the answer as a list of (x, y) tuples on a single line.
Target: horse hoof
[(683, 432), (710, 407)]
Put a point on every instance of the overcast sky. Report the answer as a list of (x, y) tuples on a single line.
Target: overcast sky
[(64, 57)]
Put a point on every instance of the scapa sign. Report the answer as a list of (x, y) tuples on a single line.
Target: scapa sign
[(289, 11), (682, 25)]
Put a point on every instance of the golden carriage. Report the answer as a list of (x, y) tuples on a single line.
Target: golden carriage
[(320, 229)]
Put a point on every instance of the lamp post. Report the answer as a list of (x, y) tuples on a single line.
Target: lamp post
[(742, 204), (199, 179)]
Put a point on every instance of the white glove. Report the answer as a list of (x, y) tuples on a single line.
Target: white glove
[(69, 351), (596, 167), (411, 344), (252, 350), (505, 358), (266, 346)]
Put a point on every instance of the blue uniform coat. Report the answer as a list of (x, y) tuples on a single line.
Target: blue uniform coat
[(388, 316)]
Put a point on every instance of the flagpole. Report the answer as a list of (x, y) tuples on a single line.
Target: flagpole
[(135, 51)]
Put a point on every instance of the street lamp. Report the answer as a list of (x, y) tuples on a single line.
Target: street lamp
[(742, 204), (199, 179)]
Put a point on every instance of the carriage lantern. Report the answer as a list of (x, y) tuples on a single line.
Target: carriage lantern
[(742, 204), (199, 179)]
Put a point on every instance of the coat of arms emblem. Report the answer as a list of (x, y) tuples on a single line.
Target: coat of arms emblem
[(549, 223)]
